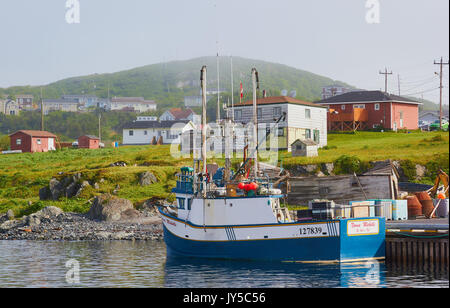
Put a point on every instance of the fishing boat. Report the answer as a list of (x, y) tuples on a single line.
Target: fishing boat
[(241, 216)]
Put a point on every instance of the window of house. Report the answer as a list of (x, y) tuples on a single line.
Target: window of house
[(281, 132), (238, 114), (316, 136), (377, 107), (19, 141), (359, 106), (259, 113), (38, 141), (343, 107), (277, 111), (145, 133), (308, 134), (131, 133), (308, 113)]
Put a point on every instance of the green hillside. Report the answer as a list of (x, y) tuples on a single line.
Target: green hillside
[(168, 83)]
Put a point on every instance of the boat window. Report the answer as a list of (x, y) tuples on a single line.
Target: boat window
[(181, 203), (189, 204)]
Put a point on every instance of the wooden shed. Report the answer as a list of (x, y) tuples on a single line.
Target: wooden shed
[(305, 148), (88, 142), (31, 141)]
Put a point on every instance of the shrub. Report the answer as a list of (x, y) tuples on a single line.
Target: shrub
[(347, 165)]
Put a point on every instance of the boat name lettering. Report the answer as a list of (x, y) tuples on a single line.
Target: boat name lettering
[(363, 227), (310, 230)]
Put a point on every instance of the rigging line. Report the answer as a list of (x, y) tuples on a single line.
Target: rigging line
[(426, 91), (418, 86), (419, 81)]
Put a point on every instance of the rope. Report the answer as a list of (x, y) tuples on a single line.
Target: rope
[(420, 237)]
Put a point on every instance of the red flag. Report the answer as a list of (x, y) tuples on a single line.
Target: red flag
[(242, 92)]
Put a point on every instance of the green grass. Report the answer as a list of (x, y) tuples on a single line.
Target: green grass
[(22, 175), (418, 147)]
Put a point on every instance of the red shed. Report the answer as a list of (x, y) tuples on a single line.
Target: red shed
[(88, 142), (364, 110), (32, 141)]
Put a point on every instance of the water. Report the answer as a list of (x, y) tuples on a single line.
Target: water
[(144, 264)]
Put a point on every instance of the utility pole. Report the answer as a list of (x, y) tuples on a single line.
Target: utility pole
[(42, 112), (385, 73), (99, 125), (441, 87)]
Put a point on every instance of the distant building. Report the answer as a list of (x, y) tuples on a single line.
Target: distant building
[(142, 132), (60, 104), (431, 116), (88, 142), (30, 141), (84, 101), (134, 104), (334, 90), (363, 110), (178, 114), (304, 120), (26, 102), (9, 107)]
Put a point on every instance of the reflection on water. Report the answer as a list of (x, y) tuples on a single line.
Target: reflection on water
[(144, 264)]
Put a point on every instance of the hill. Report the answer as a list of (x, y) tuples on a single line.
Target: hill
[(168, 83)]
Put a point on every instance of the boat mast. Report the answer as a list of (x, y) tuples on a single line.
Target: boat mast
[(232, 92), (218, 90), (203, 83), (255, 119)]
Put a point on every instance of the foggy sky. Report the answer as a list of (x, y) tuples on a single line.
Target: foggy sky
[(326, 37)]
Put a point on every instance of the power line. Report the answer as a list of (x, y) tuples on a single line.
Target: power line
[(441, 87), (422, 92)]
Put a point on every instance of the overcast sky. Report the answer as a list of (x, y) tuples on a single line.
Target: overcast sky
[(327, 37)]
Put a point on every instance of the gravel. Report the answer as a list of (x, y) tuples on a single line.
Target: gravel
[(78, 227)]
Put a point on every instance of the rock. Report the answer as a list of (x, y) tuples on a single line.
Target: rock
[(55, 188), (71, 190), (147, 178), (49, 212), (32, 220), (119, 164), (44, 193), (327, 168), (420, 171), (10, 214), (96, 186), (109, 208), (11, 224), (82, 187)]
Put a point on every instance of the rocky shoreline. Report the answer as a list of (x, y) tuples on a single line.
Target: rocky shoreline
[(52, 224)]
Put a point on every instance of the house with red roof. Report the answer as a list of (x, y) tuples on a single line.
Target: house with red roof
[(365, 110), (31, 141), (178, 114)]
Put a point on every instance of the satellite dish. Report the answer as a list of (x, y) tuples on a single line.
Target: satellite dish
[(293, 93), (284, 92)]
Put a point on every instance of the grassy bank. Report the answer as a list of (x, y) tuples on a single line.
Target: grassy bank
[(22, 175)]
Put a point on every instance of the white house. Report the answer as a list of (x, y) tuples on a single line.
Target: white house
[(144, 131), (179, 114), (9, 107), (304, 120), (136, 104)]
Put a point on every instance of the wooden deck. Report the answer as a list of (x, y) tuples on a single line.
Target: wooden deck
[(348, 121)]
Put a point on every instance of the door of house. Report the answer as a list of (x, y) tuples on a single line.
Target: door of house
[(51, 144)]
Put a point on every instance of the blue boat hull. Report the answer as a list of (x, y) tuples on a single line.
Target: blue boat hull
[(343, 248)]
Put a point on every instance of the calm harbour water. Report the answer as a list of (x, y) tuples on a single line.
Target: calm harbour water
[(144, 264)]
